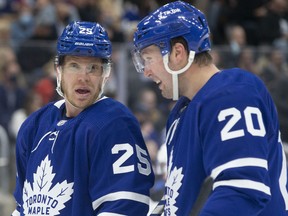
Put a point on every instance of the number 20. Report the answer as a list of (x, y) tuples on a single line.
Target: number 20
[(118, 166), (227, 132)]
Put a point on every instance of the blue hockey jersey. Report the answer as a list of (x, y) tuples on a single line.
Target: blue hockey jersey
[(228, 131), (93, 164)]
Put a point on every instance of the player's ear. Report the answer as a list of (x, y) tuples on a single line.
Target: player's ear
[(178, 56)]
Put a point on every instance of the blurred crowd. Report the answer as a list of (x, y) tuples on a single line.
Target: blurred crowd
[(249, 34)]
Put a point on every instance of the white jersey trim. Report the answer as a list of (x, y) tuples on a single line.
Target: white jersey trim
[(100, 99), (283, 180), (109, 214), (59, 103), (248, 184), (15, 213), (243, 162), (121, 195)]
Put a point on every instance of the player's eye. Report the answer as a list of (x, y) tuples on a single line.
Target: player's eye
[(95, 69), (148, 61), (73, 67)]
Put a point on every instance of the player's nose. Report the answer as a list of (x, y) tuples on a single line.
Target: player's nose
[(147, 71), (83, 76)]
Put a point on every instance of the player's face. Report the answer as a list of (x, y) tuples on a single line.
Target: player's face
[(154, 69), (81, 82)]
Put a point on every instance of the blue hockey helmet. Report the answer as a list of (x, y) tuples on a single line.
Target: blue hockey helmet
[(176, 19), (81, 38), (170, 21)]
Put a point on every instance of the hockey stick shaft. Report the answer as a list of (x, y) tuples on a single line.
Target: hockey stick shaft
[(204, 193)]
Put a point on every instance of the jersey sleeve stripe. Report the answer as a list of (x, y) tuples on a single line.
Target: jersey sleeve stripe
[(109, 214), (243, 162), (248, 184), (121, 195), (283, 180)]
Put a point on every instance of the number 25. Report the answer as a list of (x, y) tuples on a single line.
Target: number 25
[(118, 166), (227, 132)]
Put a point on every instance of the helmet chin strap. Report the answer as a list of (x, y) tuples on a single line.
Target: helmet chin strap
[(101, 90), (58, 77), (106, 74), (58, 88), (176, 73)]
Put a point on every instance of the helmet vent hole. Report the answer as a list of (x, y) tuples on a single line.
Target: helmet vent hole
[(201, 21), (142, 35)]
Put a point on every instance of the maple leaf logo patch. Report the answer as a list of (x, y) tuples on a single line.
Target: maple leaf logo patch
[(172, 186), (41, 199)]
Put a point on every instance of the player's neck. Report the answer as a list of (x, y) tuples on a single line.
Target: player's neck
[(71, 110), (190, 83)]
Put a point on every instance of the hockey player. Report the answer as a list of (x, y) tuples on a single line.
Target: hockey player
[(224, 125), (83, 155)]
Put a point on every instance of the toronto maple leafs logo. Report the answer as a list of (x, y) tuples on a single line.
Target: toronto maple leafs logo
[(41, 199), (173, 184)]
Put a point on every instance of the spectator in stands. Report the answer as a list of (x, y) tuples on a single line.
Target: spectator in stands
[(23, 27), (275, 75), (37, 47), (148, 102), (274, 25), (8, 6), (214, 13), (5, 23), (88, 10), (65, 14), (7, 203), (32, 102), (12, 89), (276, 68), (4, 161), (280, 97), (236, 39), (247, 14), (45, 82), (247, 60), (133, 12)]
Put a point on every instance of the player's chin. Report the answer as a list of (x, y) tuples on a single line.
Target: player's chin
[(83, 103)]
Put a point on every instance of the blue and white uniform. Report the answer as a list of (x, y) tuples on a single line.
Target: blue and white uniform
[(93, 164), (228, 131)]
